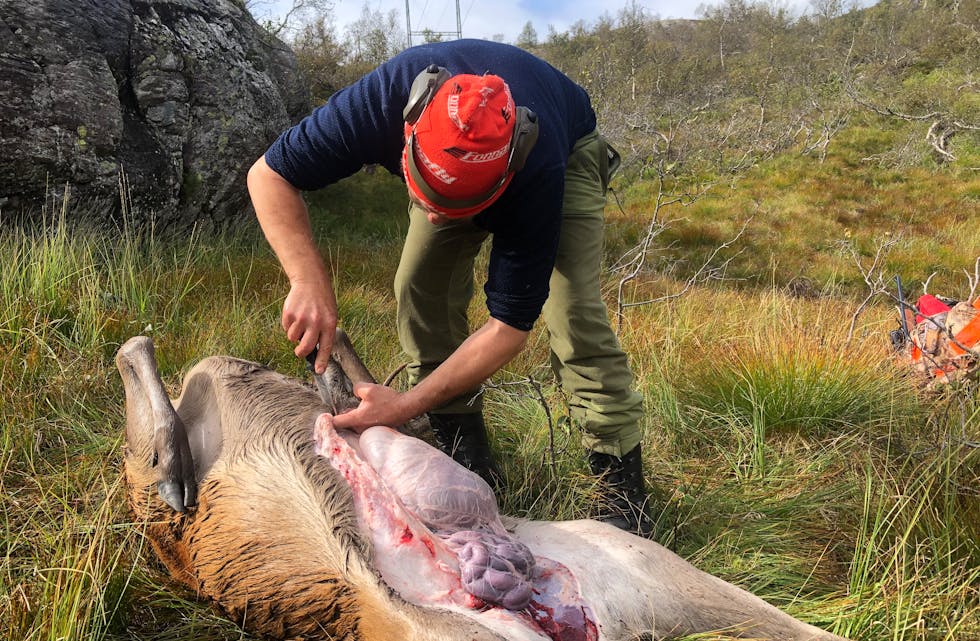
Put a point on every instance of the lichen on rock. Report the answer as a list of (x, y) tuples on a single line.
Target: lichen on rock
[(158, 90)]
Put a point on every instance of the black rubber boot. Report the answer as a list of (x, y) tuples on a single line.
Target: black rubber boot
[(464, 437), (624, 500)]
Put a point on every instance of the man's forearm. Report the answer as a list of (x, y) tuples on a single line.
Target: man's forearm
[(483, 353), (282, 214), (309, 313)]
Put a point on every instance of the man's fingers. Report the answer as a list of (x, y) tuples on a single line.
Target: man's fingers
[(325, 346), (306, 345), (355, 419), (362, 389), (338, 422), (294, 330), (348, 420)]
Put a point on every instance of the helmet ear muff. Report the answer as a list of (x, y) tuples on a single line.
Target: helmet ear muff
[(523, 139), (424, 87)]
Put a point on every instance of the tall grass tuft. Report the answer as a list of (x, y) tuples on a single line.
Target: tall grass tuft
[(68, 298), (916, 559), (793, 374)]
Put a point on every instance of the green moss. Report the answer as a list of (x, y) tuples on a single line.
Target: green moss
[(192, 183)]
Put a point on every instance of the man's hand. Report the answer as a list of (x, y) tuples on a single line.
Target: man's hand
[(380, 405), (309, 314), (309, 317), (483, 353)]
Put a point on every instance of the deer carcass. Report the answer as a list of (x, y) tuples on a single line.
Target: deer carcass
[(294, 529)]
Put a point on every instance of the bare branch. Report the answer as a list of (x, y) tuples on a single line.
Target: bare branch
[(539, 397), (873, 275), (830, 124), (280, 24), (938, 136), (886, 111), (943, 128), (974, 280), (708, 271)]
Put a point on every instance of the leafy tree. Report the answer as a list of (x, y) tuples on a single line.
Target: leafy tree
[(429, 36), (321, 57), (825, 10), (297, 13), (372, 39), (686, 98), (330, 63), (528, 37), (916, 64)]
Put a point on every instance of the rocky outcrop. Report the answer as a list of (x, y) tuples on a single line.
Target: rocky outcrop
[(166, 101)]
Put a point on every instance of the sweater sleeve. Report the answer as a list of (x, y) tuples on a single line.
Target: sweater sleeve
[(523, 254), (359, 125)]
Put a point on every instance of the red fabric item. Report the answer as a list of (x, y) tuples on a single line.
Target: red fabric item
[(462, 141), (928, 306)]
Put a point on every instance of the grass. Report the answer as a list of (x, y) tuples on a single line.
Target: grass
[(782, 457), (802, 213)]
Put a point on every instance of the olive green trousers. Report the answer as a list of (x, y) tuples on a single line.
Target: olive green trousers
[(434, 285)]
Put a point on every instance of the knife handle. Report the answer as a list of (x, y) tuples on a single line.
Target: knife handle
[(311, 359)]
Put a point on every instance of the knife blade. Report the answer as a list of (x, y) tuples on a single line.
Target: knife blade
[(322, 387)]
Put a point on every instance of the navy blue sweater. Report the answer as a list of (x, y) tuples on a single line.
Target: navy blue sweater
[(362, 124)]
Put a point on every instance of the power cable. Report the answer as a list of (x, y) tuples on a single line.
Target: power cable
[(424, 7), (472, 2), (439, 21)]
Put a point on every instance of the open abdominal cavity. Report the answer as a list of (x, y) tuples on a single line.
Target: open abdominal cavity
[(439, 541)]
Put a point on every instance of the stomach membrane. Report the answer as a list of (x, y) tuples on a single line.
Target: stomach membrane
[(438, 539)]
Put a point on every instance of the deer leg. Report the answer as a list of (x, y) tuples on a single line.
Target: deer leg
[(350, 362), (354, 369), (155, 433)]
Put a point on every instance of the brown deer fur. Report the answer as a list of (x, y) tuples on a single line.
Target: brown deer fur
[(273, 540)]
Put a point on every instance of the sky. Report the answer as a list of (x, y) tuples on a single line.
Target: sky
[(488, 18)]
